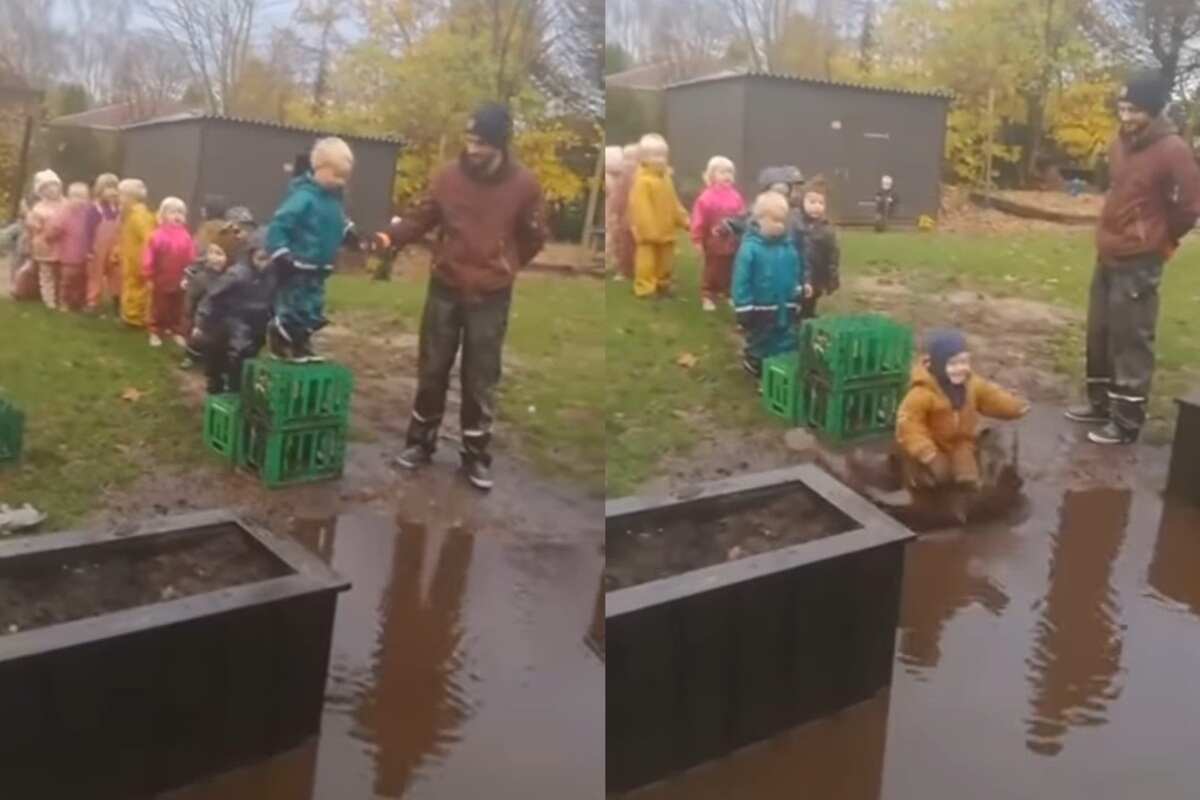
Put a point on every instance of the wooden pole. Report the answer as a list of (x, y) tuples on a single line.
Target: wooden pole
[(22, 166), (991, 127), (589, 222)]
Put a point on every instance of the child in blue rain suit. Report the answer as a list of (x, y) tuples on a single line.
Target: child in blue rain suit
[(768, 283)]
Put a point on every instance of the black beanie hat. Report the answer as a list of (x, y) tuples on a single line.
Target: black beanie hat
[(492, 123), (1148, 90)]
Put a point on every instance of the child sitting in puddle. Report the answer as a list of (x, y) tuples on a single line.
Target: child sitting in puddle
[(768, 284), (937, 426)]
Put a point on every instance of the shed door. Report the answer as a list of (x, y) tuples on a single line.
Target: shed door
[(864, 158)]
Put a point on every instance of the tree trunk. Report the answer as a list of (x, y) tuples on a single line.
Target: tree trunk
[(1036, 103)]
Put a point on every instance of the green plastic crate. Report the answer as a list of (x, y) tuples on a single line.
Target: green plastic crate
[(848, 414), (282, 457), (287, 394), (780, 387), (223, 424), (846, 350), (12, 432)]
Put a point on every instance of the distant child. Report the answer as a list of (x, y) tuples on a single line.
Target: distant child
[(822, 256), (656, 216), (72, 227), (103, 227), (198, 278), (168, 253), (718, 202), (886, 201), (303, 239), (137, 225), (612, 177), (768, 284), (232, 317), (938, 423), (625, 247), (44, 237)]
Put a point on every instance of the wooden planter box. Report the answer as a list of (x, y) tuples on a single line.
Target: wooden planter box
[(1183, 480), (708, 661), (134, 702)]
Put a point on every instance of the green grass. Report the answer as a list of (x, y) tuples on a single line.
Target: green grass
[(67, 373), (654, 406)]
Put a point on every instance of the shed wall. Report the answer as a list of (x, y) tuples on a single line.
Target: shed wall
[(167, 158), (705, 120)]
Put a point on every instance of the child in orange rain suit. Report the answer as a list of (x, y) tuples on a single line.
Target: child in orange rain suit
[(655, 216)]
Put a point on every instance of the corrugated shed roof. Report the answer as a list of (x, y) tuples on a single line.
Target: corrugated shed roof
[(200, 115), (730, 75), (119, 115)]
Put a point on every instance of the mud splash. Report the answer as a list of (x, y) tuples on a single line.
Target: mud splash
[(458, 664), (1052, 656)]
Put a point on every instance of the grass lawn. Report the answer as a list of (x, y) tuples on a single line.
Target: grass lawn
[(68, 373), (653, 404)]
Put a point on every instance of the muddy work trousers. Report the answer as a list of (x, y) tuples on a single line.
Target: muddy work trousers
[(451, 323), (1122, 318)]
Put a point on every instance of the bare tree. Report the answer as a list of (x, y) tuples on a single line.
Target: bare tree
[(98, 34), (149, 73), (32, 46), (579, 48), (1160, 32), (322, 17), (761, 24), (215, 36)]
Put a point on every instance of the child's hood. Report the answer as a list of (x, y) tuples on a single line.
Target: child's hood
[(306, 183), (754, 233)]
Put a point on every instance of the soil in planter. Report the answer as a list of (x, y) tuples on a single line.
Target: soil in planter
[(38, 592), (652, 546)]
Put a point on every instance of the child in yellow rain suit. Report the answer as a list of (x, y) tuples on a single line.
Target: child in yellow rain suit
[(937, 425), (655, 215), (137, 223)]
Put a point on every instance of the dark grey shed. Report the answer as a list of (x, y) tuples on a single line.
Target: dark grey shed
[(248, 163), (850, 134)]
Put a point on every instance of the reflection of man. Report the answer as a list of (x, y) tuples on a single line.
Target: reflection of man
[(415, 709), (1077, 646), (1153, 200), (488, 212)]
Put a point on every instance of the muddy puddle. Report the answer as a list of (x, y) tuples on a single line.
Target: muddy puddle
[(458, 664), (1051, 656)]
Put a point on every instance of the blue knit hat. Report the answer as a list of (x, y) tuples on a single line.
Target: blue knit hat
[(942, 345)]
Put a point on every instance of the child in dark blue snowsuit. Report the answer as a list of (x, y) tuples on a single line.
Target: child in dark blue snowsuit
[(768, 284)]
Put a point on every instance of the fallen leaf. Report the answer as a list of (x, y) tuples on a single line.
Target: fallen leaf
[(132, 395), (686, 360)]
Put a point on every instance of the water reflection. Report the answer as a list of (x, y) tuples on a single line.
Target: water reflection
[(941, 578), (417, 704), (1076, 651), (1176, 560)]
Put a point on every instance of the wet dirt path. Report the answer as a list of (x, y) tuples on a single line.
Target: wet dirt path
[(1053, 655), (458, 666)]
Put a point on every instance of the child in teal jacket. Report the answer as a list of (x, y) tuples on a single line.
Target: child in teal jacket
[(303, 239), (768, 284)]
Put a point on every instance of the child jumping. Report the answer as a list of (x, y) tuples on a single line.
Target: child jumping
[(718, 202), (822, 256), (655, 215), (768, 284), (167, 255), (938, 423), (303, 240)]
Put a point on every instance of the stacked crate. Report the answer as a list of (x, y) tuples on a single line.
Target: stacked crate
[(846, 380), (12, 432), (288, 425)]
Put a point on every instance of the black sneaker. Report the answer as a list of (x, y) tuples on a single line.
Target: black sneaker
[(1112, 433), (414, 456), (1088, 414), (479, 474)]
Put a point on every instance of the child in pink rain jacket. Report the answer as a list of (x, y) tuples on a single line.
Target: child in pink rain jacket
[(717, 203), (72, 231), (168, 253)]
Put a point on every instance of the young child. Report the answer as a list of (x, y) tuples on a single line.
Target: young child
[(44, 237), (886, 201), (232, 317), (768, 283), (103, 227), (718, 202), (612, 177), (137, 225), (303, 240), (787, 182), (625, 247), (938, 423), (198, 278), (168, 253), (822, 256), (655, 215), (72, 233)]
